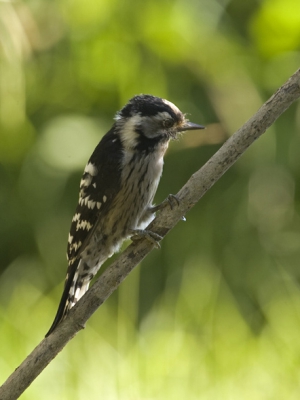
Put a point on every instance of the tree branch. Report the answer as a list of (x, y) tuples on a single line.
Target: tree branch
[(199, 183)]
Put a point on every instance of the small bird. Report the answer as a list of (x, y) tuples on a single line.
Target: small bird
[(117, 189)]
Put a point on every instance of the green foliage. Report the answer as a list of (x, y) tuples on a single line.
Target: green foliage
[(214, 313)]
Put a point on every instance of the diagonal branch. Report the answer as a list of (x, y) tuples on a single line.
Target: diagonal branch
[(199, 183)]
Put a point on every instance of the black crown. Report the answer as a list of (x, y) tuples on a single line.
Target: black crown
[(146, 105)]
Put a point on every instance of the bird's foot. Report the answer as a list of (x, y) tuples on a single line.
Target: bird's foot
[(152, 237), (172, 200)]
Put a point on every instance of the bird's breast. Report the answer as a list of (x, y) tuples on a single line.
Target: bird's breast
[(139, 181)]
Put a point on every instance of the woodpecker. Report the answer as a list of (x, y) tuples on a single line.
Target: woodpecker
[(117, 190)]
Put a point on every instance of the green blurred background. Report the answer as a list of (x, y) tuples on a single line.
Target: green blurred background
[(214, 314)]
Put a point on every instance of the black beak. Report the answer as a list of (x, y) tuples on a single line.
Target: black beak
[(189, 126)]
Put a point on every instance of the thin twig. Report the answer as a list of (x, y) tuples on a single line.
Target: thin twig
[(189, 195)]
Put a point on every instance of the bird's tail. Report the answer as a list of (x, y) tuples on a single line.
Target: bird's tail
[(74, 289)]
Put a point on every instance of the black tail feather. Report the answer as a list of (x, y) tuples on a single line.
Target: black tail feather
[(62, 308)]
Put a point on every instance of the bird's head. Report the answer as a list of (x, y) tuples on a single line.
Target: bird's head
[(147, 120)]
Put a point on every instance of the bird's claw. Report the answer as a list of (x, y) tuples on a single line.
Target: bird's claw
[(172, 200), (152, 237)]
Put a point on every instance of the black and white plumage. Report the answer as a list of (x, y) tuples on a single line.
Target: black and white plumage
[(117, 189)]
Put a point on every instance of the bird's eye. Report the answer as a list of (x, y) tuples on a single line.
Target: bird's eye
[(167, 123)]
